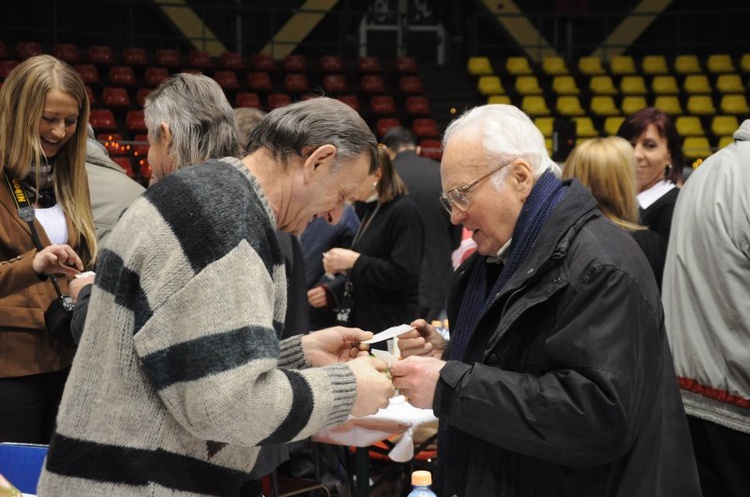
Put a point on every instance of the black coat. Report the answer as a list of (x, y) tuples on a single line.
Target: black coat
[(658, 216), (567, 386)]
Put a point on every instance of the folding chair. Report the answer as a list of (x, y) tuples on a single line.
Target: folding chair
[(21, 464)]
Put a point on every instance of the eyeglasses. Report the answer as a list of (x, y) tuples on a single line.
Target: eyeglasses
[(457, 196)]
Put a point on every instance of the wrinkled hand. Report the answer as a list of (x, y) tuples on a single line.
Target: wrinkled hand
[(373, 386), (76, 284), (332, 345), (339, 260), (57, 259), (417, 378), (424, 340), (316, 296)]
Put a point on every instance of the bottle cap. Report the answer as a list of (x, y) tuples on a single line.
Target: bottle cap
[(421, 478)]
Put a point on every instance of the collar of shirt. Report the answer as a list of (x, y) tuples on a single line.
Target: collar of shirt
[(645, 199), (502, 254)]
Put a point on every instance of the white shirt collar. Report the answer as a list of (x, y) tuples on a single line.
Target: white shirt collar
[(502, 254), (645, 199)]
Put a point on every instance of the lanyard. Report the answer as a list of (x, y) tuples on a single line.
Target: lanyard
[(363, 226)]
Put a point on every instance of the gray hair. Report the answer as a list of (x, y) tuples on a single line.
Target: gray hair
[(296, 128), (506, 134), (198, 115)]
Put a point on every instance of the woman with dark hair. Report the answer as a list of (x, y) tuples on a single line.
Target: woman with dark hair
[(383, 264), (659, 155)]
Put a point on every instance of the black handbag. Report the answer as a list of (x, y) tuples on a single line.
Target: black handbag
[(59, 314)]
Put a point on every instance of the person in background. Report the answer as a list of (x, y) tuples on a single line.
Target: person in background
[(422, 178), (557, 379), (606, 167), (659, 157), (189, 301), (707, 307), (384, 262), (43, 111)]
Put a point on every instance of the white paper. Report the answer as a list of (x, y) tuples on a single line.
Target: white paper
[(384, 356), (391, 332), (85, 274)]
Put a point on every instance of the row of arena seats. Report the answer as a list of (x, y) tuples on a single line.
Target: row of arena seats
[(619, 65)]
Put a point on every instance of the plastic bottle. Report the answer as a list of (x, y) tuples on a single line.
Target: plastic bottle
[(421, 481)]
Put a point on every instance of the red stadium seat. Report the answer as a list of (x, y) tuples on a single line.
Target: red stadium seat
[(102, 120), (295, 63), (66, 52), (382, 105), (259, 81), (191, 71), (200, 59), (134, 122), (232, 60), (141, 96), (431, 148), (26, 49), (331, 64), (410, 85), (369, 64), (124, 163), (121, 76), (406, 65), (101, 55), (372, 84), (6, 66), (227, 79), (167, 57), (350, 100), (155, 75), (418, 106), (140, 147), (262, 62), (89, 73), (334, 83), (296, 83), (384, 124), (276, 100), (113, 143), (116, 97), (134, 56), (425, 127), (144, 168), (248, 99), (90, 94)]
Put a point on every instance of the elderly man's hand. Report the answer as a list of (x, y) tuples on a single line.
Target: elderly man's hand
[(424, 340), (332, 345), (76, 285), (417, 378), (373, 386)]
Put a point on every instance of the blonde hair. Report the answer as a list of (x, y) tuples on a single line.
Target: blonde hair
[(21, 106), (606, 166)]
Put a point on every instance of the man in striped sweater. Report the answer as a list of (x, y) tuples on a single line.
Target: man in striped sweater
[(180, 378)]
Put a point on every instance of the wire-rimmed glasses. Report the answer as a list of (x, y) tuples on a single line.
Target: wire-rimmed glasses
[(457, 196)]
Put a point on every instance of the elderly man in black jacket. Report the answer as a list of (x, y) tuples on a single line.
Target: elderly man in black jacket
[(558, 379)]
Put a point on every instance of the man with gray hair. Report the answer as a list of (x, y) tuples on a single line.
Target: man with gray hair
[(557, 380), (180, 377)]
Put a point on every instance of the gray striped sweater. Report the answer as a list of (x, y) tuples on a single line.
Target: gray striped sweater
[(180, 378)]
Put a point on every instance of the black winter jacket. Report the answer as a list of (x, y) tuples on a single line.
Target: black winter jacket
[(567, 386)]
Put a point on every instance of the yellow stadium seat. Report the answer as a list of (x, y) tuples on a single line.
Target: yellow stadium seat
[(725, 140), (729, 83), (518, 66), (603, 105), (689, 126), (602, 85), (545, 125), (696, 147), (687, 64), (585, 127), (745, 63), (632, 103), (590, 66), (734, 104), (622, 65), (528, 85), (700, 105), (696, 84), (612, 124), (479, 66), (633, 85), (669, 104), (499, 99), (535, 105), (569, 105), (548, 143), (554, 66), (719, 63), (565, 85), (664, 85), (654, 64), (724, 125), (490, 85)]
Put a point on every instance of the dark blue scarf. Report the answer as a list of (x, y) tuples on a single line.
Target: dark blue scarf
[(480, 292)]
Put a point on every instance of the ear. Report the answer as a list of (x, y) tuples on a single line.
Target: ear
[(521, 176), (378, 173), (165, 133), (320, 159)]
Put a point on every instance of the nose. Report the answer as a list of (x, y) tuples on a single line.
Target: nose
[(58, 130), (638, 149), (457, 216)]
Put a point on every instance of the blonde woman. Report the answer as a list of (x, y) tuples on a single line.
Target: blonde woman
[(43, 114), (607, 167)]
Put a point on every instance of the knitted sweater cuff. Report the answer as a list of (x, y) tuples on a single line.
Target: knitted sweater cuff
[(344, 392), (291, 355)]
